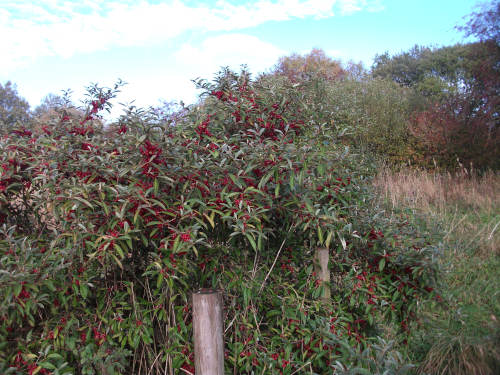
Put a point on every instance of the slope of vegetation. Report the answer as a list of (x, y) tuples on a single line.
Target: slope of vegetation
[(462, 334)]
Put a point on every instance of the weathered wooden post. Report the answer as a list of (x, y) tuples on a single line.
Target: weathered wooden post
[(321, 261), (208, 332)]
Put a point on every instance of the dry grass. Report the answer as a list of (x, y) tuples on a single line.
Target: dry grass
[(472, 359), (431, 191), (469, 204)]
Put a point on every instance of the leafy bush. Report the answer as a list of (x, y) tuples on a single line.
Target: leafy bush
[(376, 113), (107, 231)]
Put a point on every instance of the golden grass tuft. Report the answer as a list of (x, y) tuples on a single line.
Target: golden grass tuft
[(451, 355)]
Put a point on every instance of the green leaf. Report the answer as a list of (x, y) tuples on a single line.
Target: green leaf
[(321, 169), (328, 239), (155, 186), (251, 240), (119, 250), (263, 180), (176, 243), (320, 234), (84, 290), (159, 281), (17, 289), (48, 365), (55, 356), (272, 313), (84, 201), (236, 180), (381, 264), (254, 190), (259, 241)]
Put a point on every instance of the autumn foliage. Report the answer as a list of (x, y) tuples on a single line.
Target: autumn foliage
[(316, 63)]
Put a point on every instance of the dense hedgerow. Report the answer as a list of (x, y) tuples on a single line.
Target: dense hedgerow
[(106, 231)]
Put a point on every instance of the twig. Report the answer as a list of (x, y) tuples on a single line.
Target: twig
[(491, 234), (275, 259), (254, 270), (230, 324), (156, 359), (300, 368)]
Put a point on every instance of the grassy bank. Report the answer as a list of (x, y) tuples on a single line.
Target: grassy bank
[(459, 332)]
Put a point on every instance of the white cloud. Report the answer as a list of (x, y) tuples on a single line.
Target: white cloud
[(353, 6), (335, 53), (228, 50), (197, 60), (147, 91), (32, 29)]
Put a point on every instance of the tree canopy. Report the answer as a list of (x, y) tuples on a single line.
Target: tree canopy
[(484, 24), (299, 67), (13, 108)]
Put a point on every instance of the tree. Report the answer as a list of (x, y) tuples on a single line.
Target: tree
[(485, 23), (405, 68), (455, 104), (13, 108), (49, 103), (355, 70), (432, 72), (303, 67)]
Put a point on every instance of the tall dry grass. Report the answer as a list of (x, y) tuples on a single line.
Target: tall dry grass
[(467, 203)]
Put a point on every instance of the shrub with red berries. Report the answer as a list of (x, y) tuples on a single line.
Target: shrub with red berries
[(105, 232)]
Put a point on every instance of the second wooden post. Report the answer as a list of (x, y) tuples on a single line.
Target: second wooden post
[(321, 259)]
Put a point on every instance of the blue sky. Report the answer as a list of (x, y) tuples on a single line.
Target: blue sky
[(158, 46)]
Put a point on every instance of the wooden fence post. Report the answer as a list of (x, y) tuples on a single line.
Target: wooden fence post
[(208, 332), (321, 259)]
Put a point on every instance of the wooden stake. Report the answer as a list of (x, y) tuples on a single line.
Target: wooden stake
[(321, 260), (208, 332)]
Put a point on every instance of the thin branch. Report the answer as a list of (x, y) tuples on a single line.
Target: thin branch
[(275, 259)]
